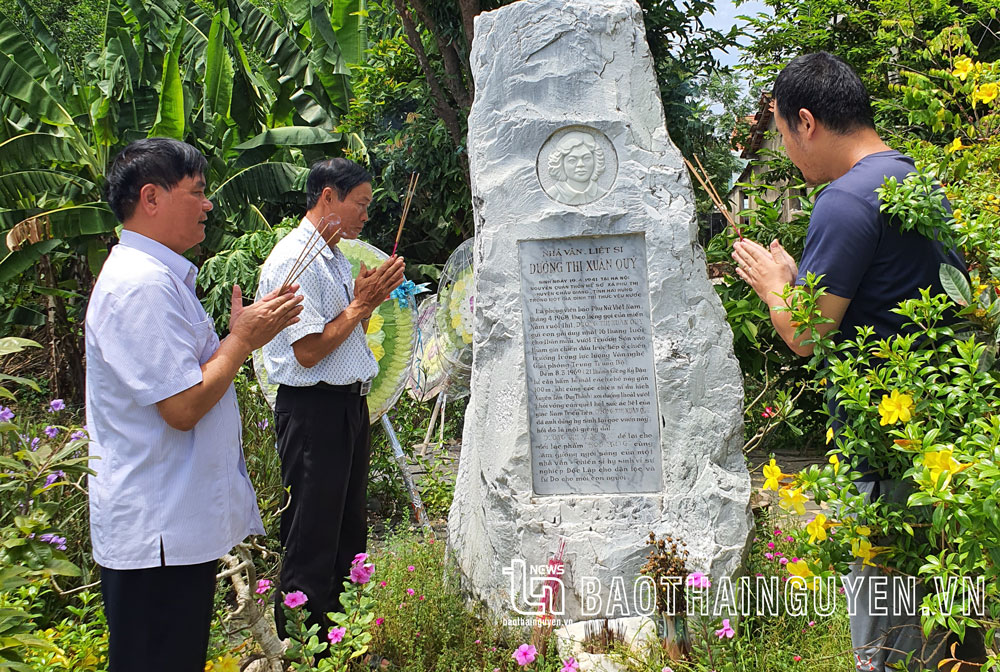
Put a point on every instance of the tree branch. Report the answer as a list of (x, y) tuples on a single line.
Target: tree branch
[(457, 73), (438, 99)]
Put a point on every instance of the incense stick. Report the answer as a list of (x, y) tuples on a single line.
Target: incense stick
[(410, 191), (315, 238), (306, 249), (706, 184), (313, 258)]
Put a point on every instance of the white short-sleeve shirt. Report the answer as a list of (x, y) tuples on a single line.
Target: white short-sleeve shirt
[(147, 336), (327, 288)]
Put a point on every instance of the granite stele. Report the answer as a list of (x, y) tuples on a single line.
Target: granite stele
[(606, 401)]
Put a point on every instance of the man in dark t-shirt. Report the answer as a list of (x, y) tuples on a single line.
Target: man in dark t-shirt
[(869, 265)]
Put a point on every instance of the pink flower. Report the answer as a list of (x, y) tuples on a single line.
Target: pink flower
[(726, 630), (698, 580), (778, 554), (570, 665), (410, 591), (769, 556), (795, 559), (361, 571), (379, 621), (667, 669), (295, 599), (410, 568), (478, 641), (769, 412), (770, 545), (382, 584), (421, 597), (789, 538), (336, 634), (812, 623), (263, 586), (796, 658), (525, 655), (777, 532), (783, 561)]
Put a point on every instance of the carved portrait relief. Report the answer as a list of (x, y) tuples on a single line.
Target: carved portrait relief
[(577, 165)]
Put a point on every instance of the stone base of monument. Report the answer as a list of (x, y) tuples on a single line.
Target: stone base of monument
[(639, 632)]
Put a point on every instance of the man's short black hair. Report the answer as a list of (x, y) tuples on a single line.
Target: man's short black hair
[(160, 161), (340, 174), (826, 86)]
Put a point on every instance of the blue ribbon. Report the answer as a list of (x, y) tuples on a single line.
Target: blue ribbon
[(407, 291)]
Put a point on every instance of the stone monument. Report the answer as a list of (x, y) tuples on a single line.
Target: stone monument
[(606, 400)]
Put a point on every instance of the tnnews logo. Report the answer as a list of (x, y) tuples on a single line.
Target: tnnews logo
[(539, 590)]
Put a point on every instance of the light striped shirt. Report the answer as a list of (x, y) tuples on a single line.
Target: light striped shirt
[(327, 288), (158, 487)]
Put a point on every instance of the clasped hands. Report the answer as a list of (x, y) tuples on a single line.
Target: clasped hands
[(374, 285), (766, 269)]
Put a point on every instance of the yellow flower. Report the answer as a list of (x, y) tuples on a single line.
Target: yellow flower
[(375, 323), (862, 530), (835, 461), (800, 573), (224, 663), (963, 67), (955, 146), (895, 408), (986, 93), (817, 528), (772, 474), (942, 460), (829, 434), (956, 214), (792, 499), (862, 548)]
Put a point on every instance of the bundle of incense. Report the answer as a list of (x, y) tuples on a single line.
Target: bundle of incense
[(706, 183), (410, 190), (317, 239)]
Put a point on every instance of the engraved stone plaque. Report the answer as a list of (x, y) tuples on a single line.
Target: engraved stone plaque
[(592, 406), (577, 165)]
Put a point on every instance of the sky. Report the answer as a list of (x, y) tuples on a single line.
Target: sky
[(725, 17)]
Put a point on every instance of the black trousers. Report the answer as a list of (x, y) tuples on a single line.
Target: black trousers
[(158, 618), (323, 442)]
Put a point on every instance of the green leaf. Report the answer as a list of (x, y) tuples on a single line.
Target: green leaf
[(218, 73), (348, 20), (955, 285), (28, 185), (35, 99), (260, 183), (18, 262), (11, 344), (43, 148), (291, 136), (170, 112)]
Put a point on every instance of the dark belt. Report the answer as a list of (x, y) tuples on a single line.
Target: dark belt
[(357, 387)]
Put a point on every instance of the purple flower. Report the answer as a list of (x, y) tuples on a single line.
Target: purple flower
[(295, 599), (56, 405), (52, 478), (525, 655), (6, 415), (336, 634), (361, 571), (262, 424), (726, 630), (77, 435), (34, 443), (698, 580), (51, 431), (53, 539), (570, 665)]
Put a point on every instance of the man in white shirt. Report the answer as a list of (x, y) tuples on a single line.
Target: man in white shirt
[(171, 493), (323, 367)]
